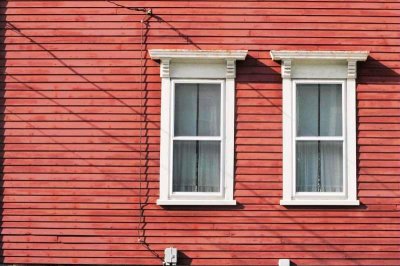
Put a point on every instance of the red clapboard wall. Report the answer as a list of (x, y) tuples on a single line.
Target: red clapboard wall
[(72, 105)]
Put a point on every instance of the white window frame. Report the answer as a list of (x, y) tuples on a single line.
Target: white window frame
[(327, 195), (221, 138), (319, 67), (187, 66)]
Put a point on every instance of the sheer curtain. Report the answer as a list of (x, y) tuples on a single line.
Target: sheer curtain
[(331, 166), (196, 163), (197, 109), (330, 110), (307, 166), (184, 166), (307, 110), (209, 166), (319, 163)]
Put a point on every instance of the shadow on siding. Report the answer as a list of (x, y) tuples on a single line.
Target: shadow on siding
[(146, 123)]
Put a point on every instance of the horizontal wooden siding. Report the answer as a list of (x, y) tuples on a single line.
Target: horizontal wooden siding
[(82, 124)]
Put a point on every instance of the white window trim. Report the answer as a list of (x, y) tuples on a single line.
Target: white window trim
[(344, 71), (318, 195), (216, 66), (199, 195)]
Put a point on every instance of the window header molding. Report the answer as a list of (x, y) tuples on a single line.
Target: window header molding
[(338, 55), (181, 63), (198, 54), (287, 58)]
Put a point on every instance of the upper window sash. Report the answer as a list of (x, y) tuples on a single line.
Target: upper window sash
[(319, 126), (342, 83), (221, 83)]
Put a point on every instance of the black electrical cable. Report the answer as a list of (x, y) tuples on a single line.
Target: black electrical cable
[(148, 11)]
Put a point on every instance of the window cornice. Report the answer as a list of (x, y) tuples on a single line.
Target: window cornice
[(161, 54), (328, 55), (169, 57), (288, 58)]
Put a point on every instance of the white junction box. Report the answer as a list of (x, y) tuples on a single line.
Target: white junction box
[(284, 262), (170, 256)]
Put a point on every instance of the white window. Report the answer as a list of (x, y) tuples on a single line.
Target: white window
[(196, 136), (197, 126), (319, 127)]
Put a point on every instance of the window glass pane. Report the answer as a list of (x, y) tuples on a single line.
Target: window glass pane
[(319, 166), (306, 166), (331, 166), (196, 166), (319, 110), (331, 110), (197, 109), (307, 110), (185, 109), (209, 110)]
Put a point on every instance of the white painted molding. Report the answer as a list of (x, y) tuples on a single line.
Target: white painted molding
[(171, 60), (196, 202), (190, 66), (230, 69), (165, 68), (287, 57), (338, 55), (351, 69), (161, 54), (286, 68), (320, 202)]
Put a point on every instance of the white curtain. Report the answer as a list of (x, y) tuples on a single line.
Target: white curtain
[(307, 110), (331, 166), (307, 166), (209, 166), (323, 176), (330, 110), (196, 164), (184, 166), (197, 109), (319, 110), (209, 110)]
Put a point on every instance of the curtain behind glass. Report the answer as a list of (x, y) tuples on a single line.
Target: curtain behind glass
[(331, 166), (323, 176), (196, 166), (197, 109), (319, 110), (307, 110), (185, 109), (331, 110), (307, 166), (184, 166), (209, 166)]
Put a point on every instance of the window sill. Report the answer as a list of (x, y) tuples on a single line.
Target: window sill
[(320, 202), (196, 202)]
